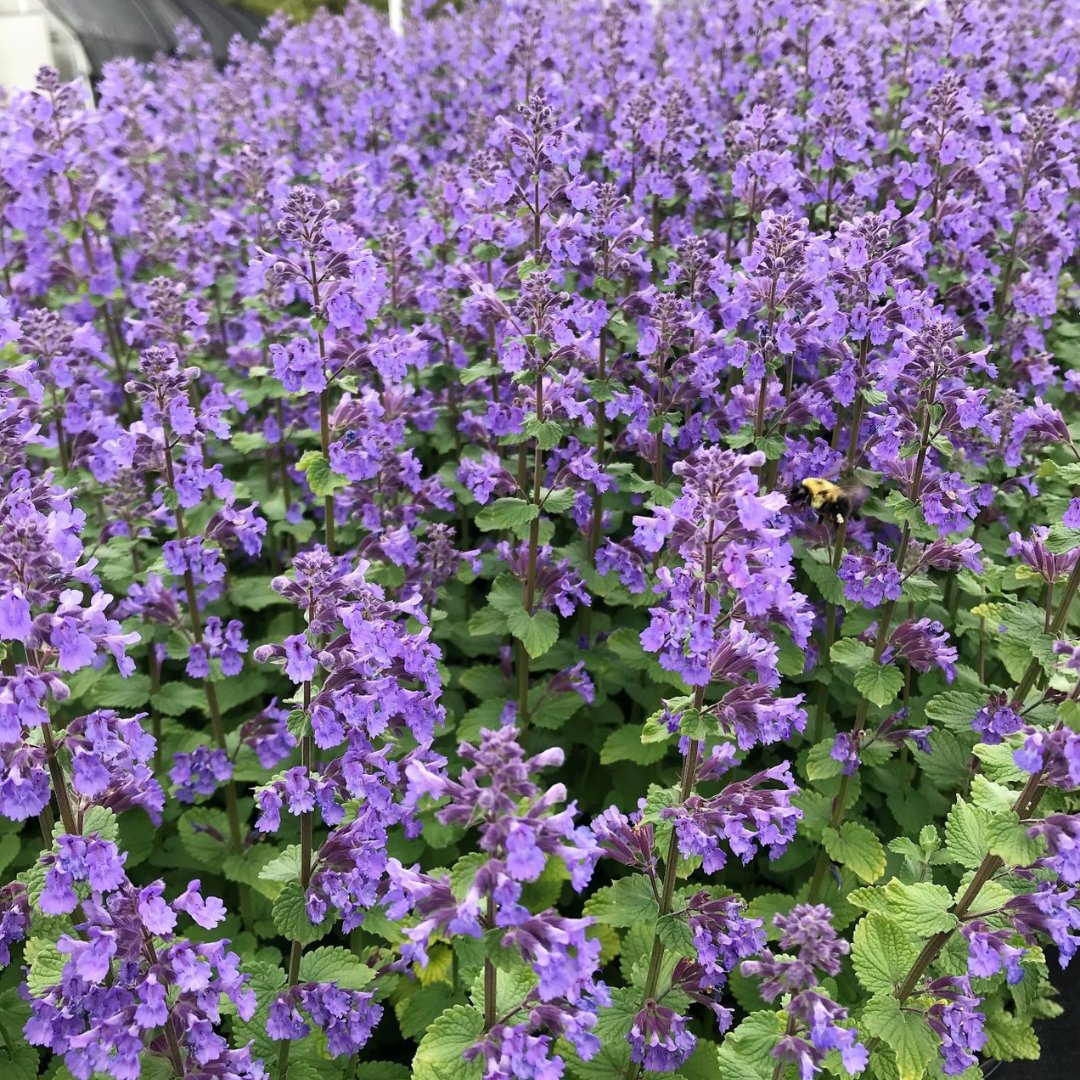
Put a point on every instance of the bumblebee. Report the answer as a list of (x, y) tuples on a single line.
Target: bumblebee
[(835, 502)]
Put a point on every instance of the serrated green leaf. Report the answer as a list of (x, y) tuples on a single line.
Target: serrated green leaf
[(440, 1053), (627, 901), (536, 632), (291, 917), (506, 513), (286, 867), (857, 848), (627, 744), (746, 1053), (920, 908), (879, 683), (321, 478), (820, 764), (905, 1032), (882, 952), (965, 834), (1009, 840), (954, 710), (851, 654), (333, 964)]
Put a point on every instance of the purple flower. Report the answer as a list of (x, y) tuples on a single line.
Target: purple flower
[(870, 579), (996, 721), (924, 644), (658, 1038)]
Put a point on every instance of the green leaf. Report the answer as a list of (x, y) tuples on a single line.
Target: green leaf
[(475, 372), (254, 593), (507, 594), (820, 764), (880, 683), (116, 692), (920, 908), (506, 514), (487, 620), (746, 1053), (204, 833), (177, 698), (1009, 840), (333, 964), (857, 848), (46, 964), (321, 478), (965, 834), (547, 433), (464, 873), (918, 588), (440, 1053), (291, 917), (1009, 1037), (247, 442), (882, 952), (824, 577), (286, 867), (555, 502), (627, 901), (954, 710), (536, 632), (851, 654), (676, 935), (626, 744), (906, 1033)]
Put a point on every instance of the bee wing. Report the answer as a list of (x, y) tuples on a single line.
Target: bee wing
[(857, 494)]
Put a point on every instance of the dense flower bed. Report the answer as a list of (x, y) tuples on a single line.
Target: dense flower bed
[(420, 653)]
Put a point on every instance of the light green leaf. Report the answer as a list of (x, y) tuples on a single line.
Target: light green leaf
[(487, 620), (507, 594), (536, 632), (1009, 840), (440, 1053), (857, 848), (965, 834), (333, 964), (291, 917), (746, 1053), (920, 908), (286, 867), (906, 1033), (882, 952), (321, 478), (820, 764), (506, 514), (879, 683), (851, 654), (954, 710), (626, 744), (627, 901)]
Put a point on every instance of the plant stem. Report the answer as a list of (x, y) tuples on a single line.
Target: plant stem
[(534, 548), (671, 861), (490, 974), (59, 783), (1025, 804), (296, 951), (232, 807)]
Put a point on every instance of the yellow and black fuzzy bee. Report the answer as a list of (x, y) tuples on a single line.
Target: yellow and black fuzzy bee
[(835, 502)]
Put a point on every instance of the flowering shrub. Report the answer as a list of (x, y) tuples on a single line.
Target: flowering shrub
[(419, 656)]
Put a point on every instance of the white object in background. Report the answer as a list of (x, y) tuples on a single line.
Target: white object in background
[(397, 20), (24, 47), (31, 37)]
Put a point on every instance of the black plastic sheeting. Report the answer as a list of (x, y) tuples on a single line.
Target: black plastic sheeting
[(143, 28)]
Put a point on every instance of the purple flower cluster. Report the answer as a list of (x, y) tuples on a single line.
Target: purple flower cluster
[(815, 1021)]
